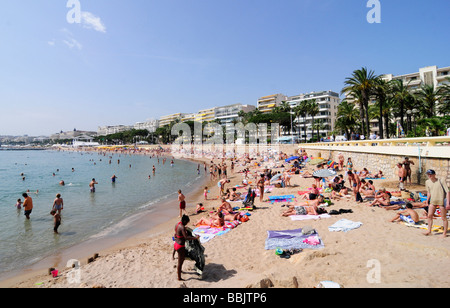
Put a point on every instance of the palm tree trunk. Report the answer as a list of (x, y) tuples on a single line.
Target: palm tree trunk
[(361, 114), (380, 120)]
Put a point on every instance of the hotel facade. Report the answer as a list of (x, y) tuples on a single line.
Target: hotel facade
[(328, 102)]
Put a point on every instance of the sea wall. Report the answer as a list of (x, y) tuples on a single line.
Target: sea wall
[(386, 160)]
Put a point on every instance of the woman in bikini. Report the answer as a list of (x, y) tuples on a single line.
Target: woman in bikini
[(181, 237)]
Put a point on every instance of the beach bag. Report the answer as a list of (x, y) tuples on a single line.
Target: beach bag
[(406, 195), (445, 199), (244, 218)]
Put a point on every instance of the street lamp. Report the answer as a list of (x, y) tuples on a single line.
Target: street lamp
[(414, 112)]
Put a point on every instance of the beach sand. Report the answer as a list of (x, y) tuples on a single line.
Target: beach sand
[(401, 255)]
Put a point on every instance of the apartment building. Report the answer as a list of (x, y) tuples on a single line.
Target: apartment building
[(230, 114), (430, 75), (150, 125), (267, 103), (206, 115), (328, 102), (112, 129), (166, 120)]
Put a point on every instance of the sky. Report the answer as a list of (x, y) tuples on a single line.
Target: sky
[(124, 62)]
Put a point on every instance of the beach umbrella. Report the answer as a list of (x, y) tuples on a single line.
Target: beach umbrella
[(316, 161), (324, 173), (276, 177)]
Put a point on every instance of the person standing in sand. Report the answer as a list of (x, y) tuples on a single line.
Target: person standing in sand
[(354, 178), (181, 237), (437, 191), (401, 176), (182, 201), (341, 160), (407, 166), (261, 187)]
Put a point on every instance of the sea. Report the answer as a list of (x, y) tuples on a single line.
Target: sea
[(86, 216)]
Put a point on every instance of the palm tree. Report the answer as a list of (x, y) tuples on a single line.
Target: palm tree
[(313, 110), (401, 96), (381, 92), (428, 95), (361, 86), (444, 92), (347, 117), (301, 110)]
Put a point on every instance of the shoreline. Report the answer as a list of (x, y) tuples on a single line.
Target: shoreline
[(159, 217)]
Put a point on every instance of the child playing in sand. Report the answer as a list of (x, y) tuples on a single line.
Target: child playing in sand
[(199, 208), (408, 215), (205, 193)]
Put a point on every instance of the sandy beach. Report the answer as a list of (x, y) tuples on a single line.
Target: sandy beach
[(377, 254)]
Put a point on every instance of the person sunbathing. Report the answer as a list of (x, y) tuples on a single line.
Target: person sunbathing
[(214, 221), (378, 175), (225, 207), (306, 174), (314, 193), (382, 198), (305, 208), (364, 173)]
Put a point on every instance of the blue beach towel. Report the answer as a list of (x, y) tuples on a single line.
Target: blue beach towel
[(287, 198)]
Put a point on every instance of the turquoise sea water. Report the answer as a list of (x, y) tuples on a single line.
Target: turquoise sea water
[(86, 215)]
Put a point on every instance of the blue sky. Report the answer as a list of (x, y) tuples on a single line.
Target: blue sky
[(128, 61)]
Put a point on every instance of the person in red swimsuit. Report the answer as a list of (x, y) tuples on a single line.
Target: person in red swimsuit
[(180, 239)]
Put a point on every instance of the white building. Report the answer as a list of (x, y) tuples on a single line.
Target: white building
[(328, 102), (229, 114), (150, 125), (430, 75), (109, 130)]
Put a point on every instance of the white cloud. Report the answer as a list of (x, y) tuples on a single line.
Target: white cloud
[(73, 43), (51, 43), (69, 40), (90, 21)]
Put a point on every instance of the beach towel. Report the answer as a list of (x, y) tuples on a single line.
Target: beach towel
[(286, 198), (344, 225), (292, 239), (309, 217), (207, 233)]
